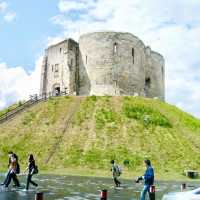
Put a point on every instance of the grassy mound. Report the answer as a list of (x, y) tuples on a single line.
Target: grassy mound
[(87, 132)]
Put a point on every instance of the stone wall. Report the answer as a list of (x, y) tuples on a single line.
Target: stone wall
[(104, 63), (60, 68), (154, 75), (114, 63)]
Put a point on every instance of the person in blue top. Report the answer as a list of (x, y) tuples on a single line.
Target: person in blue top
[(148, 178)]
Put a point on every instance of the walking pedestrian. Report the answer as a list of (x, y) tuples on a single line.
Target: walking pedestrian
[(116, 172), (148, 178), (12, 173), (32, 169)]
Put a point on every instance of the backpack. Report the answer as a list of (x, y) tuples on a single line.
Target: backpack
[(35, 170), (118, 170), (18, 168)]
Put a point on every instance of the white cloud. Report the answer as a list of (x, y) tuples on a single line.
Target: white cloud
[(169, 27), (10, 16), (16, 84), (3, 6), (70, 5)]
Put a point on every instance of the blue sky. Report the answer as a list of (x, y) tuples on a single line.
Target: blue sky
[(170, 27), (23, 39)]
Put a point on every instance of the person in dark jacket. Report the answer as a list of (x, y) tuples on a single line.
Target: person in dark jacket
[(31, 171), (148, 178)]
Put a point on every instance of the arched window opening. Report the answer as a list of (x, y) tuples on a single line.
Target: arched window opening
[(56, 89), (147, 86), (162, 68), (147, 83), (133, 54), (72, 62), (56, 71), (115, 48)]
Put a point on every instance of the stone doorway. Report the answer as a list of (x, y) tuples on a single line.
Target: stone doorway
[(56, 89)]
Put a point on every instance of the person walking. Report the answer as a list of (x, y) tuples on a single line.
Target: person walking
[(9, 175), (17, 163), (148, 178), (116, 172), (10, 153), (12, 172), (32, 169)]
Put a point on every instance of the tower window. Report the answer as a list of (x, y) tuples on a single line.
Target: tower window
[(147, 86), (115, 48), (133, 54), (72, 62), (86, 59), (56, 67), (147, 83), (60, 50), (56, 74), (52, 68)]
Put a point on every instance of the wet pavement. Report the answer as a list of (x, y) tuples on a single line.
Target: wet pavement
[(85, 188)]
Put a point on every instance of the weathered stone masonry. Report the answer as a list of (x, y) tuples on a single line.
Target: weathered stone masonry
[(103, 63)]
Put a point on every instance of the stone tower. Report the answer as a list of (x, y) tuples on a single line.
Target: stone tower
[(103, 63), (60, 68)]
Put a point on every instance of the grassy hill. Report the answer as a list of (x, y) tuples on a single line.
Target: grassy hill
[(82, 134)]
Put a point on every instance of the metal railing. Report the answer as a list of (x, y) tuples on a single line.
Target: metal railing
[(34, 99)]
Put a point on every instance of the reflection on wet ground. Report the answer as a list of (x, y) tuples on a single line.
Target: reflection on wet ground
[(85, 188)]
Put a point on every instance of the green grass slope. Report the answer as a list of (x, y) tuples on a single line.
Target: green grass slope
[(87, 132)]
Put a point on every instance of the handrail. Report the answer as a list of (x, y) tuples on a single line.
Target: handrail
[(32, 101)]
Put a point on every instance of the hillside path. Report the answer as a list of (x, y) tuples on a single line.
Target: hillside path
[(74, 107)]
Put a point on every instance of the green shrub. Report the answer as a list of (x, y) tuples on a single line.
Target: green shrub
[(20, 103), (145, 115), (126, 162), (93, 98)]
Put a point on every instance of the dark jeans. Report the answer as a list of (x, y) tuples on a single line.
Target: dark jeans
[(10, 176), (116, 181), (29, 177)]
